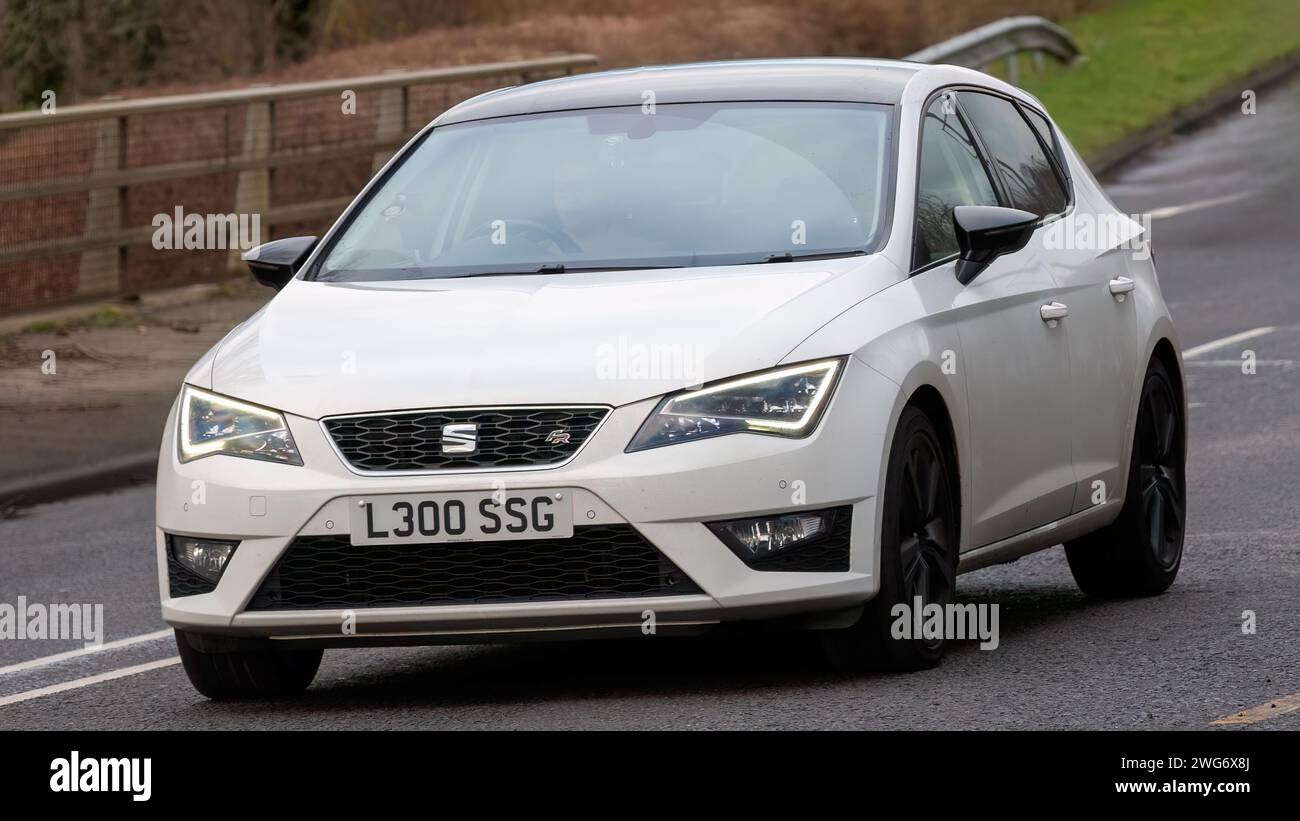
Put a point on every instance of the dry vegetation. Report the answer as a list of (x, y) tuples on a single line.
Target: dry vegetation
[(149, 46)]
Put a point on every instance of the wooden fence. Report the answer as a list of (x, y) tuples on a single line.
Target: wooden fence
[(81, 187)]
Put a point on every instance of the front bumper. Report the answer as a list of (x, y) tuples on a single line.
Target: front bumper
[(666, 494)]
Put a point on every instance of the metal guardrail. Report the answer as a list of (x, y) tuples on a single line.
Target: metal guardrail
[(79, 186), (1004, 39)]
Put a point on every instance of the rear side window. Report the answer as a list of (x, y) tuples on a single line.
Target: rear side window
[(1027, 174), (1044, 129), (951, 174)]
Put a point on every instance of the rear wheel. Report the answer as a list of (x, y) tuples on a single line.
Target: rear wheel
[(1140, 553), (226, 669), (918, 555)]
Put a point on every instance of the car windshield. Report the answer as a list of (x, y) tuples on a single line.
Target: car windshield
[(629, 187)]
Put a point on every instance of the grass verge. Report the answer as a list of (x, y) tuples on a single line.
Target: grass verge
[(1148, 58)]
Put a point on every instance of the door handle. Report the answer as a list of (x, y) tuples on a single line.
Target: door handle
[(1053, 311), (1119, 286)]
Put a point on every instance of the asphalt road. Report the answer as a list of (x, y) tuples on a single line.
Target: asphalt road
[(1225, 198)]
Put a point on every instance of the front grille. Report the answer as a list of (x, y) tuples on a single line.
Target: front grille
[(598, 562), (506, 437)]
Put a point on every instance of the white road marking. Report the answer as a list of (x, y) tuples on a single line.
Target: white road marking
[(1228, 340), (77, 684), (85, 651), (1236, 363), (1175, 210)]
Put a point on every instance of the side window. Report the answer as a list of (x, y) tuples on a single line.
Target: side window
[(951, 174), (1030, 180), (1044, 129)]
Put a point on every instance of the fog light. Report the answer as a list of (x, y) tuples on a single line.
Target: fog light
[(753, 539), (203, 557)]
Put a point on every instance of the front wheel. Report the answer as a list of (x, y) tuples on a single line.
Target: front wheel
[(918, 556), (1140, 553), (229, 670)]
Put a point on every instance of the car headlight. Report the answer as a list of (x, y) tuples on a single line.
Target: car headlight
[(786, 401), (212, 424)]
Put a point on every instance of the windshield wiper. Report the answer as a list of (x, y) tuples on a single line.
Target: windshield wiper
[(786, 256), (555, 268)]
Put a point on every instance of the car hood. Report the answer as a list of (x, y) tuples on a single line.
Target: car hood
[(319, 349)]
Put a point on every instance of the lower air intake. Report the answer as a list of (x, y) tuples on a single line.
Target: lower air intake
[(598, 562)]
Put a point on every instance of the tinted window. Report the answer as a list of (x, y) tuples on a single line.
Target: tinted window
[(1044, 129), (1030, 180), (951, 174)]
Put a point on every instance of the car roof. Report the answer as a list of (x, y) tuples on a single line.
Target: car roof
[(828, 79)]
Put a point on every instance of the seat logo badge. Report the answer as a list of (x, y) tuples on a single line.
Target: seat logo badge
[(560, 436), (460, 438)]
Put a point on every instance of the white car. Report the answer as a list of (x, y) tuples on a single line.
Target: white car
[(648, 352)]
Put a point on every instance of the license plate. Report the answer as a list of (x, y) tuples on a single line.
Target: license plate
[(482, 516)]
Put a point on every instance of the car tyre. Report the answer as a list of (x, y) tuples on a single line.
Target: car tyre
[(918, 554), (1140, 552), (232, 670)]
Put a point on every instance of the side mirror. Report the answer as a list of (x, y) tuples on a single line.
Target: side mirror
[(986, 232), (274, 263)]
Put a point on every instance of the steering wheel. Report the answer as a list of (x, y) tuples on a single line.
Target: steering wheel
[(527, 228)]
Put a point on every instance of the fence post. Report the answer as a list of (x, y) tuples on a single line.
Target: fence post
[(391, 123), (100, 269), (253, 191)]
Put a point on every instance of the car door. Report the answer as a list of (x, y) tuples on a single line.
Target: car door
[(1090, 260), (1014, 367)]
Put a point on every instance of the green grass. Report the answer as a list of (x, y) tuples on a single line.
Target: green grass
[(1147, 58), (103, 316)]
